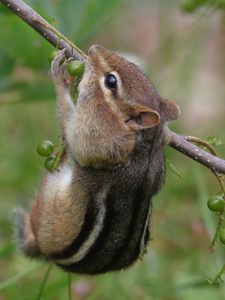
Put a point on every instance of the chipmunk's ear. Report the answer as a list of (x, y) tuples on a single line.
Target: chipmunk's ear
[(169, 110), (141, 117)]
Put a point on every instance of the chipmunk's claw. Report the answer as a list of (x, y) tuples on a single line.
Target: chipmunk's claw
[(58, 70)]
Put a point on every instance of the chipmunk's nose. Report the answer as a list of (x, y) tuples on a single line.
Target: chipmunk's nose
[(94, 49)]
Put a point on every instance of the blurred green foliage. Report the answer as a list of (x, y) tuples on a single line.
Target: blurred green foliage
[(192, 5), (178, 262)]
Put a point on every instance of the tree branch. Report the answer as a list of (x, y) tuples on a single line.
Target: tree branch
[(180, 143), (28, 15), (176, 141)]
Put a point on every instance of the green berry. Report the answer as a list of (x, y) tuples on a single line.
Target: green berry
[(222, 235), (75, 68), (50, 162), (45, 148), (216, 203), (52, 55)]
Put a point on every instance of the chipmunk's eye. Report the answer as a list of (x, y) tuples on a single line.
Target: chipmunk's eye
[(110, 81)]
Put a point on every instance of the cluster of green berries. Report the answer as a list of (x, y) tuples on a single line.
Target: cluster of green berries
[(45, 149), (192, 5), (76, 69), (217, 204)]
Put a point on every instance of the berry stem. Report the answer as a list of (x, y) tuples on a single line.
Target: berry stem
[(59, 35), (219, 225), (59, 156), (73, 88), (196, 140), (220, 179)]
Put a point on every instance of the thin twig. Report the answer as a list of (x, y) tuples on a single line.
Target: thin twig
[(196, 140), (53, 36), (218, 227), (219, 178), (178, 142)]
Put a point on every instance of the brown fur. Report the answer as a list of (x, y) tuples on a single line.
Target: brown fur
[(57, 224), (116, 141)]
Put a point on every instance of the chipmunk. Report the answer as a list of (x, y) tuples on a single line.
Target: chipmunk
[(93, 217)]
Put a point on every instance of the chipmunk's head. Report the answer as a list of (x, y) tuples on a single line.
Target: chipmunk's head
[(118, 99), (123, 86)]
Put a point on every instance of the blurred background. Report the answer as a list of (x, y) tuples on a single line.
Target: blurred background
[(181, 46)]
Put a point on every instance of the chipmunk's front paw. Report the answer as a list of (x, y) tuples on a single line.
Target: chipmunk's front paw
[(58, 70)]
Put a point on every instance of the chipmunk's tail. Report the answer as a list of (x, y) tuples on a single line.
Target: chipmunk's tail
[(24, 234)]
